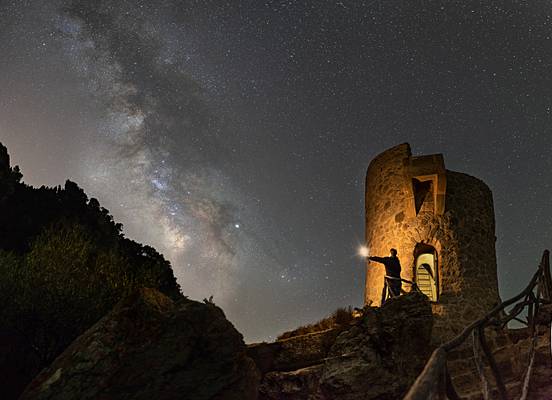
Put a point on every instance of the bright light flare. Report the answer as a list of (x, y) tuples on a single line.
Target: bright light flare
[(364, 251)]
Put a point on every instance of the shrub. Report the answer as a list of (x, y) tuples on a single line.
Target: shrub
[(339, 319), (63, 285), (64, 263)]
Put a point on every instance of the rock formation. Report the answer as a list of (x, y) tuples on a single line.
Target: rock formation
[(381, 354), (377, 358), (150, 347)]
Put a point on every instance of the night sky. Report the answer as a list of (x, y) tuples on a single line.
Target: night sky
[(234, 136)]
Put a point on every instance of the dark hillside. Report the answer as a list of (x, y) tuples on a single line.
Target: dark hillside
[(64, 263)]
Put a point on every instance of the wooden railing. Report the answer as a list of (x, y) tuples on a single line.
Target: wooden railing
[(386, 293), (435, 383)]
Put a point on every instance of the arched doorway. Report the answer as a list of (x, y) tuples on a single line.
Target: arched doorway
[(426, 270)]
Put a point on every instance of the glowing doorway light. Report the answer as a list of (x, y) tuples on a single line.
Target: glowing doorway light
[(364, 251)]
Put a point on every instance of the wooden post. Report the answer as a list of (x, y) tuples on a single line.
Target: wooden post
[(527, 377), (384, 292), (540, 285), (451, 391), (546, 277), (429, 384), (485, 387), (492, 363), (530, 317)]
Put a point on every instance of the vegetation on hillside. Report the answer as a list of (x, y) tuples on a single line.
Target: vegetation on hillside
[(64, 263), (339, 319)]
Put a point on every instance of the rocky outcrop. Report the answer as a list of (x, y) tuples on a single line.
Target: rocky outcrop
[(149, 347), (378, 357), (293, 353)]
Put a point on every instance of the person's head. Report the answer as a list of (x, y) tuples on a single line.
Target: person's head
[(393, 252)]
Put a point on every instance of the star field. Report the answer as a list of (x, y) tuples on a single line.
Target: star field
[(234, 136)]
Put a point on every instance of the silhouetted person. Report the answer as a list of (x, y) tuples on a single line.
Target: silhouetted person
[(392, 271)]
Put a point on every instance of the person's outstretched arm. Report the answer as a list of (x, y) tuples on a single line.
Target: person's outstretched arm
[(377, 259)]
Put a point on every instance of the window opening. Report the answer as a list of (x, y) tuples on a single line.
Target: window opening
[(422, 190)]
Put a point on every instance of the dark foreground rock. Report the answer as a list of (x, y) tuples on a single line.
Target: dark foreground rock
[(19, 363), (149, 347), (379, 357)]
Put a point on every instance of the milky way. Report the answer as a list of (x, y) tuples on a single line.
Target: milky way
[(158, 151), (234, 136)]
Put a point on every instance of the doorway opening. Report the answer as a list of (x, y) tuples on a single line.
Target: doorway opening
[(427, 270)]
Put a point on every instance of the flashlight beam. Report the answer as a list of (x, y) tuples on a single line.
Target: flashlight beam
[(363, 251)]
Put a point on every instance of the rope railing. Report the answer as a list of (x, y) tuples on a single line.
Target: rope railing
[(435, 383)]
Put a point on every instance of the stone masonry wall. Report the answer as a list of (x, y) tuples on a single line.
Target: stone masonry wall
[(463, 237), (385, 213)]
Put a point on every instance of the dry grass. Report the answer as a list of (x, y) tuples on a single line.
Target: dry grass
[(340, 318)]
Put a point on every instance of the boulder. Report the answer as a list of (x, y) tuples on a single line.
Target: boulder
[(378, 357), (382, 356), (293, 353), (301, 384), (149, 347)]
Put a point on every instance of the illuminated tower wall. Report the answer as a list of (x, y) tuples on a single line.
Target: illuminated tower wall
[(442, 224)]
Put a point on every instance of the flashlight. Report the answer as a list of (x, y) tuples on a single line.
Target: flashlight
[(364, 251)]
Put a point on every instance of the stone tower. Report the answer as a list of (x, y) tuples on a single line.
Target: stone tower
[(442, 224)]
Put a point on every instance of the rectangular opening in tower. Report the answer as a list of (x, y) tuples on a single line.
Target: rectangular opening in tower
[(423, 192)]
